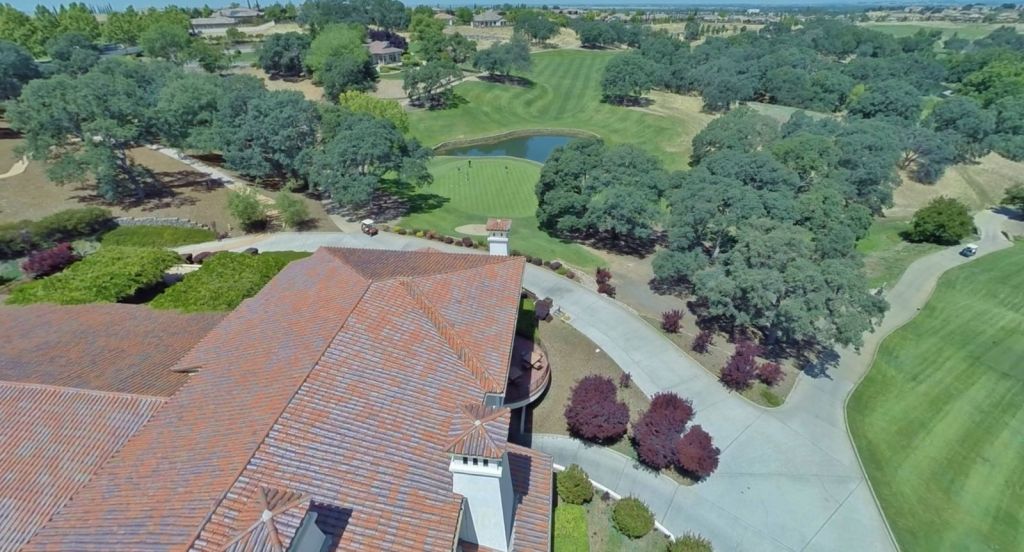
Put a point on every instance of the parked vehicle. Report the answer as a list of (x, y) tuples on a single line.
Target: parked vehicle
[(969, 250), (368, 227)]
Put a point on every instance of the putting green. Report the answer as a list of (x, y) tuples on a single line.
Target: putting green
[(565, 94), (472, 190), (939, 420)]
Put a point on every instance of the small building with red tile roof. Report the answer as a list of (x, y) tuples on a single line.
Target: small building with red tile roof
[(332, 410)]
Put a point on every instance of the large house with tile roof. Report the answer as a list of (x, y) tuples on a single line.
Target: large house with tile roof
[(358, 402)]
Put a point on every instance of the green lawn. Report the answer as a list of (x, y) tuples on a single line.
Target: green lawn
[(500, 187), (939, 420), (565, 94), (886, 255), (970, 31)]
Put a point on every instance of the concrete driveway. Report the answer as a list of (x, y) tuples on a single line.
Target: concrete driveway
[(789, 477)]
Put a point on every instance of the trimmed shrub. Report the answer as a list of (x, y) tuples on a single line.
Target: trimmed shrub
[(594, 413), (606, 289), (696, 453), (570, 275), (670, 320), (293, 211), (420, 233), (739, 372), (689, 542), (467, 241), (603, 275), (562, 271), (247, 210), (574, 485), (536, 261), (632, 517), (555, 265), (49, 261), (770, 373), (703, 341), (449, 240), (19, 238), (657, 431), (401, 231), (223, 282), (156, 236), (570, 529), (107, 276), (9, 271)]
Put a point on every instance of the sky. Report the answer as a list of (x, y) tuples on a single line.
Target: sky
[(29, 5)]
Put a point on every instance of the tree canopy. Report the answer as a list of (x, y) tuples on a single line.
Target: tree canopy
[(16, 68), (282, 54), (627, 78), (503, 58)]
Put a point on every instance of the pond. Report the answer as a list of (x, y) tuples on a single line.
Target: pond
[(537, 147)]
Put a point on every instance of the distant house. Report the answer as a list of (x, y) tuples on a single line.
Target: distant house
[(383, 52), (242, 15), (448, 19), (202, 25), (116, 50), (489, 18)]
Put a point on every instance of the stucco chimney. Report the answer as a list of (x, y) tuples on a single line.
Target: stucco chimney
[(481, 474), (497, 236)]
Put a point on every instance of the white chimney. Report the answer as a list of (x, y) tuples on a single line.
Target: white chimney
[(497, 236), (481, 474)]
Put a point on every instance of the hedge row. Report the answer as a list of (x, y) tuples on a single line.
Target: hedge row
[(19, 238), (222, 283), (157, 236), (111, 274), (570, 529)]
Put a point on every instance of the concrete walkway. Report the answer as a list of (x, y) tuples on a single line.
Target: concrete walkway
[(789, 478)]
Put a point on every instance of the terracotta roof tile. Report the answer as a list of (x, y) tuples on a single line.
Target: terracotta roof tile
[(498, 225), (532, 481), (109, 347), (476, 430), (52, 440), (335, 383)]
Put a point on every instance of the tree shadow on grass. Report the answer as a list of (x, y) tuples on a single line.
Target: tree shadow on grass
[(165, 190), (513, 80), (396, 199)]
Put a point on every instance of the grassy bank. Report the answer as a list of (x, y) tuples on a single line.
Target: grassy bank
[(468, 191), (938, 420), (886, 254)]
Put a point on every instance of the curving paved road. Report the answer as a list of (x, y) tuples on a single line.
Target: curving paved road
[(789, 477)]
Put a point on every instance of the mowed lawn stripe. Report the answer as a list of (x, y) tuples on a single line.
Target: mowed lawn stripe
[(939, 420)]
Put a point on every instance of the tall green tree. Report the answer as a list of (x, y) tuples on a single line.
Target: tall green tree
[(83, 127), (166, 41), (273, 136), (20, 29), (334, 42), (967, 122), (535, 25), (16, 68), (627, 78), (741, 129), (503, 58), (72, 53), (430, 84), (390, 110), (282, 54), (944, 221), (893, 98), (123, 27)]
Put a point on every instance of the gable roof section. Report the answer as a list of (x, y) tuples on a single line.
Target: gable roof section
[(332, 382), (52, 439), (162, 486), (531, 481), (104, 347)]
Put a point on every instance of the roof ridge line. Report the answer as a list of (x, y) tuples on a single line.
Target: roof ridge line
[(428, 250), (450, 336), (368, 283), (81, 390)]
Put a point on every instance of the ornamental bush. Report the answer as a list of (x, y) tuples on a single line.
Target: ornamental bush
[(689, 542), (594, 413), (606, 289), (247, 209), (770, 373), (703, 341), (696, 453), (570, 529), (49, 261), (222, 283), (107, 276), (293, 211), (670, 320), (574, 485), (603, 275), (632, 517), (739, 372), (657, 431), (17, 239)]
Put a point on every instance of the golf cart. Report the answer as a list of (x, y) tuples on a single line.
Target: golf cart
[(969, 250), (368, 228)]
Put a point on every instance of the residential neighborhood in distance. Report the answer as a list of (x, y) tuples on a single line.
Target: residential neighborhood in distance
[(347, 275)]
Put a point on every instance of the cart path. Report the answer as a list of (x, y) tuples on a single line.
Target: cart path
[(789, 477), (17, 168)]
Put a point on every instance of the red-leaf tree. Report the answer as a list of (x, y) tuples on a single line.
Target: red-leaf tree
[(739, 372), (770, 373), (656, 432), (703, 341), (670, 320), (696, 453), (594, 413), (49, 261)]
